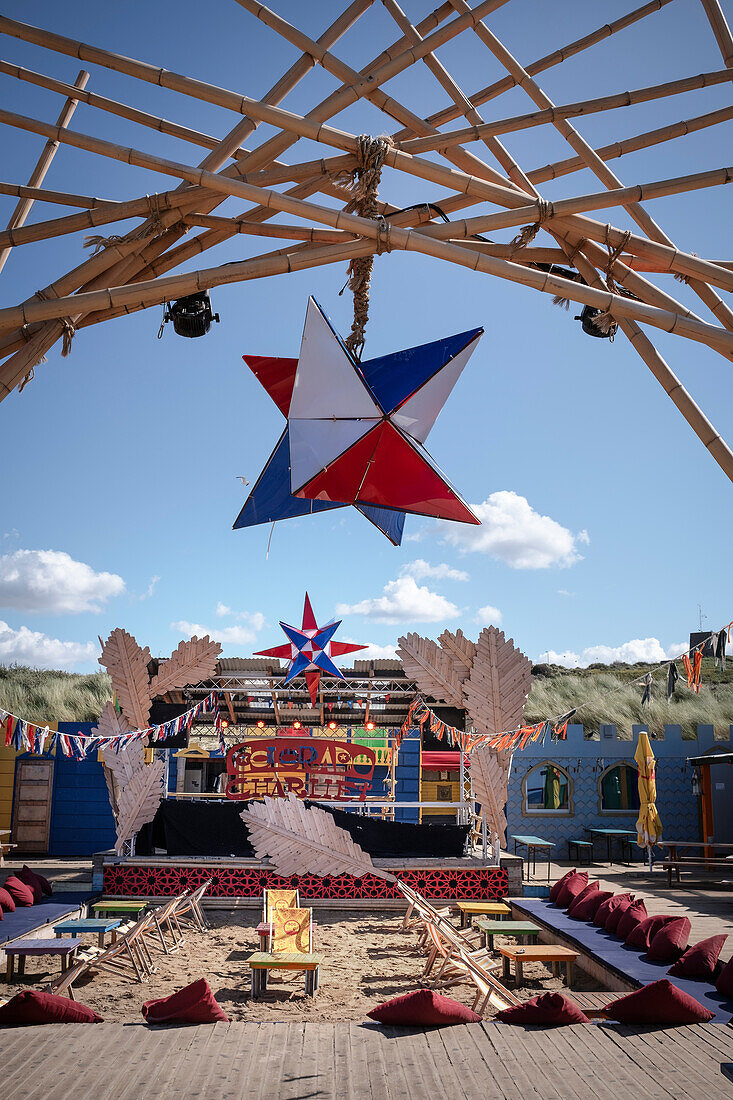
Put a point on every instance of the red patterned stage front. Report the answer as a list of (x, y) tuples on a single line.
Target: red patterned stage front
[(143, 879)]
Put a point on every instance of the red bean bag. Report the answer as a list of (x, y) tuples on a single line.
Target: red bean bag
[(617, 906), (423, 1008), (549, 1008), (19, 892), (633, 915), (6, 902), (195, 1004), (557, 886), (724, 983), (670, 941), (32, 1007), (658, 1003), (701, 960), (592, 888), (644, 932), (39, 884), (585, 908), (572, 886)]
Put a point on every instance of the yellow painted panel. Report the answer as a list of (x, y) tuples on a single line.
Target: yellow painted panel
[(430, 794), (7, 776)]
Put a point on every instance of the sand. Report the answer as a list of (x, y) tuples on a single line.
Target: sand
[(367, 959)]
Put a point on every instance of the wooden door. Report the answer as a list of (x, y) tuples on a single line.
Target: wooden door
[(32, 804)]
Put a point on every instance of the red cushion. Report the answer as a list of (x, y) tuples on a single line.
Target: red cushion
[(700, 960), (603, 911), (592, 888), (549, 1008), (724, 983), (423, 1008), (32, 1007), (19, 892), (585, 908), (636, 912), (30, 878), (670, 941), (642, 934), (572, 886), (6, 902), (617, 906), (196, 1004), (658, 1003), (557, 886)]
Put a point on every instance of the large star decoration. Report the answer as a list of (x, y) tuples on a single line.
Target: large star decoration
[(355, 431), (310, 650)]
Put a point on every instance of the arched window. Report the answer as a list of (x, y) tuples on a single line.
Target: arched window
[(547, 789), (619, 789)]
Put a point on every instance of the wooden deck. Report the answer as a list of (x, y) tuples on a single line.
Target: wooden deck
[(326, 1060), (709, 910)]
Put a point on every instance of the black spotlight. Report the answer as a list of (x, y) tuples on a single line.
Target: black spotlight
[(191, 316), (588, 320)]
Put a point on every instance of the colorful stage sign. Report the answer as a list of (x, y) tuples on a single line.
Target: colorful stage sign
[(275, 766)]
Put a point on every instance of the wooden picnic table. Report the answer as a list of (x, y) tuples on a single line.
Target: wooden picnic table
[(521, 930), (611, 835), (534, 844), (66, 949), (89, 924), (545, 952), (673, 845), (471, 909), (121, 906), (260, 962)]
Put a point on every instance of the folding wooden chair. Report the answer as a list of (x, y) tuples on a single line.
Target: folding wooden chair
[(447, 944), (488, 988), (165, 920), (190, 912)]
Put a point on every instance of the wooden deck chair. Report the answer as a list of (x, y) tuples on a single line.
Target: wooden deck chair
[(128, 955), (488, 989), (273, 900), (165, 924), (447, 945), (291, 930), (190, 912), (421, 907)]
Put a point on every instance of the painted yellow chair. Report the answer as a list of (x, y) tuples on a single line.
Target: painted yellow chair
[(275, 900), (290, 943)]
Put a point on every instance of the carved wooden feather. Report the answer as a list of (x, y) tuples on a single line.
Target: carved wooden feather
[(497, 688), (189, 663), (431, 668), (461, 651), (489, 777), (305, 840), (139, 799), (127, 664), (112, 724)]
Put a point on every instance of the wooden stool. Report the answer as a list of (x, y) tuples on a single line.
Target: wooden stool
[(546, 952)]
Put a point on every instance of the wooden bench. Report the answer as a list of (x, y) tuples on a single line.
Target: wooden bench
[(23, 948), (521, 930), (581, 847), (670, 865), (469, 909), (261, 962), (545, 952), (88, 924)]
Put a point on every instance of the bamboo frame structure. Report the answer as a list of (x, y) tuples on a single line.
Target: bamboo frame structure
[(603, 266)]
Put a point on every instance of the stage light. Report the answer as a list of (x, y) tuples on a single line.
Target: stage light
[(370, 725), (260, 725), (296, 725), (191, 316), (332, 725), (224, 724)]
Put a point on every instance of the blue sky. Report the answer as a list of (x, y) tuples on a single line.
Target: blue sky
[(606, 521)]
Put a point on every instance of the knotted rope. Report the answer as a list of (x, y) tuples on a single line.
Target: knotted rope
[(151, 227), (605, 321), (528, 233), (364, 184), (69, 332)]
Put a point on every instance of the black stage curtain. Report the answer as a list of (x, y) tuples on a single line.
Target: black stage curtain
[(209, 828)]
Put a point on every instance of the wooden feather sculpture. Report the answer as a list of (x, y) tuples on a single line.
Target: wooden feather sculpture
[(139, 799), (127, 665), (499, 683), (302, 840), (431, 668), (489, 775), (189, 663), (461, 651)]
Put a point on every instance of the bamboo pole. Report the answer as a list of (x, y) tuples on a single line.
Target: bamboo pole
[(721, 30), (549, 61), (551, 115), (43, 163), (42, 194), (633, 144), (269, 229)]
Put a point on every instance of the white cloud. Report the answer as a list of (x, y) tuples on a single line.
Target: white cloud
[(649, 650), (583, 536), (30, 647), (403, 602), (514, 533), (222, 609), (371, 653), (420, 569), (489, 616), (254, 619), (227, 635), (52, 581), (151, 587)]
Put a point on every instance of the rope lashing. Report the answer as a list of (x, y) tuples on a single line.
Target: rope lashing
[(370, 157), (613, 255), (528, 233), (151, 227)]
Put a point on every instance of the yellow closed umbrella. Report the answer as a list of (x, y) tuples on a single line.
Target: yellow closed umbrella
[(649, 825)]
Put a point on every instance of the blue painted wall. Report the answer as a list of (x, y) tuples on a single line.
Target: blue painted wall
[(81, 816), (407, 774), (585, 761)]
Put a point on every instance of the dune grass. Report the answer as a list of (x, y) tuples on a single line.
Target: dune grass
[(44, 696)]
